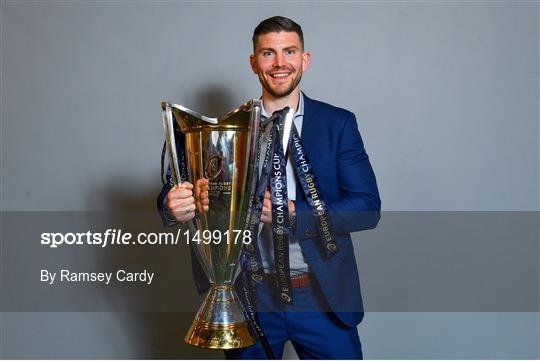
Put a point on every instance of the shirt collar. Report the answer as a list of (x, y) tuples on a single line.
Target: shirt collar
[(299, 112)]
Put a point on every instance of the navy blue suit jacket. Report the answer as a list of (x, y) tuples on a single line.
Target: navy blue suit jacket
[(335, 149)]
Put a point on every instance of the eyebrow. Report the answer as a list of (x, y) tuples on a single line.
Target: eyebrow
[(294, 47)]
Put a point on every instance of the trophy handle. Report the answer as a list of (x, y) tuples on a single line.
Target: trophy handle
[(171, 143), (177, 178)]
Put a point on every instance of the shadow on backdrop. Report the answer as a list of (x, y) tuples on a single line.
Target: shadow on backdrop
[(164, 331)]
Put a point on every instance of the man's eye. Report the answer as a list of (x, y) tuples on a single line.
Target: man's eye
[(291, 52), (267, 53)]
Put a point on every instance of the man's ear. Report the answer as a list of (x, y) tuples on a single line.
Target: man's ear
[(253, 63), (306, 60)]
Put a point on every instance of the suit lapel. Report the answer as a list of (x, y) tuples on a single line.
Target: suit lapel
[(309, 125)]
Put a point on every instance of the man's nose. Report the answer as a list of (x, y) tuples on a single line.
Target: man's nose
[(279, 60)]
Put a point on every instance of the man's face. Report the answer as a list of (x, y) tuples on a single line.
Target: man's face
[(279, 62)]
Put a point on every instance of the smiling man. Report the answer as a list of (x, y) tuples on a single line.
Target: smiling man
[(326, 302), (327, 305)]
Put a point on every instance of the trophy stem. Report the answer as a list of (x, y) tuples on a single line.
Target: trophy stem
[(220, 322)]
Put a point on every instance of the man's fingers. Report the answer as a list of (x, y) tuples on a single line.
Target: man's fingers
[(202, 207), (179, 193), (183, 193), (173, 193), (185, 185), (266, 215), (182, 211), (203, 195), (267, 203), (201, 186), (182, 201), (265, 218)]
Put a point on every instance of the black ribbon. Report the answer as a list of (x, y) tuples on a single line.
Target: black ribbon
[(313, 195), (163, 152), (250, 305), (280, 215), (251, 251), (273, 172)]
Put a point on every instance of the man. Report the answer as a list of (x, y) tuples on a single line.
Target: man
[(327, 305)]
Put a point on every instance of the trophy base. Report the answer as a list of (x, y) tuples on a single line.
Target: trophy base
[(220, 323), (216, 336)]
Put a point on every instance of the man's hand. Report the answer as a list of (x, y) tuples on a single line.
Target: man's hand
[(180, 202), (266, 215), (201, 194)]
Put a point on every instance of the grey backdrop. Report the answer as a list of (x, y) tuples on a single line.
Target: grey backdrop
[(446, 96)]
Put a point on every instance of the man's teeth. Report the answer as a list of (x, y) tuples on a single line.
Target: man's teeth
[(279, 75)]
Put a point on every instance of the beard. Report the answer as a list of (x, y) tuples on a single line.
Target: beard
[(280, 93)]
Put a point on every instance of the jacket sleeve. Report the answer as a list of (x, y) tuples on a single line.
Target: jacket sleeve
[(166, 217), (359, 205)]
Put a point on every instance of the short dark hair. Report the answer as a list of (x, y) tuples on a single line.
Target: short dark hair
[(276, 24)]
